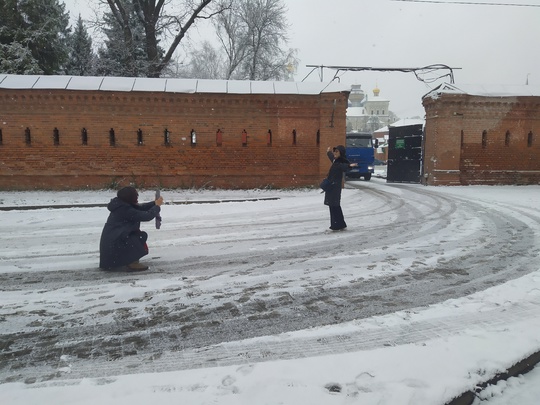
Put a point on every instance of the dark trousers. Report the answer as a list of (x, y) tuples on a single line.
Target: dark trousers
[(123, 252), (336, 218)]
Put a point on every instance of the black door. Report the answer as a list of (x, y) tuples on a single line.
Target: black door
[(405, 154)]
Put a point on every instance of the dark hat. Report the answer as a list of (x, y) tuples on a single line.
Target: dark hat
[(342, 150), (128, 195)]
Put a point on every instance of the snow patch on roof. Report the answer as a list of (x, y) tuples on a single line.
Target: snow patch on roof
[(19, 82), (485, 90), (285, 88), (407, 122), (52, 82), (84, 83), (146, 84), (262, 87), (180, 86), (127, 84), (117, 84), (239, 87)]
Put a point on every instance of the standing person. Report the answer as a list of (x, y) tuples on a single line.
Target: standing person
[(122, 242), (332, 197)]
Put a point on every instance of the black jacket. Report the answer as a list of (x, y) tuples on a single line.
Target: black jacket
[(121, 240), (339, 166)]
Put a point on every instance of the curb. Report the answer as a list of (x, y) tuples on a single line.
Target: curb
[(63, 206), (521, 367)]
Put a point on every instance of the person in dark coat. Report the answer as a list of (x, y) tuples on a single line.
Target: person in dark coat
[(122, 242), (332, 197)]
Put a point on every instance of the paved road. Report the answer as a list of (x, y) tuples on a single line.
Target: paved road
[(425, 247)]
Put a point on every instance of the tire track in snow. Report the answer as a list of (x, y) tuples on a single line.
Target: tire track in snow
[(415, 257)]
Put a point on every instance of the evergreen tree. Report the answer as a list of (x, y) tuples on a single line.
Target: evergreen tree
[(15, 59), (33, 33), (122, 54), (81, 56)]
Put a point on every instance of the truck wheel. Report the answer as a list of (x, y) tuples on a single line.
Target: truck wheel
[(367, 176)]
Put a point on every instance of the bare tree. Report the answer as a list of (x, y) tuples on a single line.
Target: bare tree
[(162, 19), (252, 37), (205, 63), (233, 36), (266, 27)]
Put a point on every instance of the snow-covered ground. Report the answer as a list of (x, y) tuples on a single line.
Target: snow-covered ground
[(426, 354)]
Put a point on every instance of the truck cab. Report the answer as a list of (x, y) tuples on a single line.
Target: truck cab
[(359, 146)]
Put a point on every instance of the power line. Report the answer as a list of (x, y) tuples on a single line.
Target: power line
[(469, 3), (421, 73)]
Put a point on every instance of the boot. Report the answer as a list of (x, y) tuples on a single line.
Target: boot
[(136, 266)]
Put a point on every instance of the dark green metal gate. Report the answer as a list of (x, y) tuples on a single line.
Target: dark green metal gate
[(405, 155)]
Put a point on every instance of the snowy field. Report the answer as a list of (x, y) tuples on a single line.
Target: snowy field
[(430, 291)]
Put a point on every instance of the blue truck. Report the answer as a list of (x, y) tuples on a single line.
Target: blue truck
[(359, 147)]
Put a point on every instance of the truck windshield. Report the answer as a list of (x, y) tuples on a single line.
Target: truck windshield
[(357, 142)]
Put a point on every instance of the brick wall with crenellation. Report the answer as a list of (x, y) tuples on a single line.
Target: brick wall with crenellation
[(31, 157), (482, 140)]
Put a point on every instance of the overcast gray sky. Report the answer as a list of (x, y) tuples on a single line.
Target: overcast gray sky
[(491, 44)]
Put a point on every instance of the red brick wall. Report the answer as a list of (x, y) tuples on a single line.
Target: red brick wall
[(456, 152), (70, 164)]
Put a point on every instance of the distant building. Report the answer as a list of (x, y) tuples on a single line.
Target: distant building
[(367, 114)]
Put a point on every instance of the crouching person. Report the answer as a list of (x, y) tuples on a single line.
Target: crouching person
[(122, 242)]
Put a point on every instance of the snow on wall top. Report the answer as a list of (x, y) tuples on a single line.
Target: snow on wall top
[(407, 122), (492, 90), (167, 85)]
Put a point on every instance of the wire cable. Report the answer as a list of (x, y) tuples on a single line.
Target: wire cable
[(421, 73), (469, 3)]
